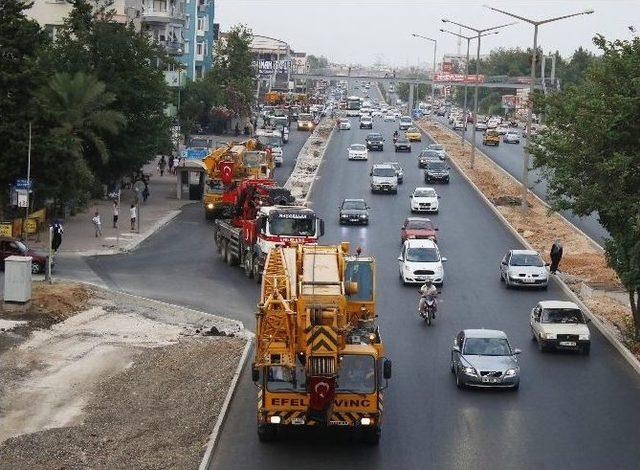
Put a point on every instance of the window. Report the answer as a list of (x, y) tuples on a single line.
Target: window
[(186, 47), (52, 30), (188, 21), (198, 71), (200, 23), (199, 49)]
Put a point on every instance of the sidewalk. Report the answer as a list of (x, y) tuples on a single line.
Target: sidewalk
[(79, 233)]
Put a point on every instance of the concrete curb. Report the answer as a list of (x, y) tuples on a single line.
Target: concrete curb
[(213, 437), (315, 173), (133, 245), (599, 324)]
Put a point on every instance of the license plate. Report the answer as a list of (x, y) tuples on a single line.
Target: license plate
[(297, 421), (489, 380), (529, 281), (339, 423), (567, 343)]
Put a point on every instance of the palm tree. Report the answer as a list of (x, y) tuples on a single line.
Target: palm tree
[(77, 105)]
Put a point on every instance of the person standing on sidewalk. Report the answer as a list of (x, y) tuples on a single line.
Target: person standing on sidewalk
[(555, 255), (97, 223), (133, 214), (171, 163), (116, 213), (162, 165)]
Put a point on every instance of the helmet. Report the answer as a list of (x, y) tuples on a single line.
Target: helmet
[(429, 282)]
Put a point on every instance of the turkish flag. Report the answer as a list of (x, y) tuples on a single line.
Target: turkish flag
[(226, 172), (322, 390)]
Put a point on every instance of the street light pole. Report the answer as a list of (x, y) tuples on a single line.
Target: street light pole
[(525, 148), (435, 49), (480, 33)]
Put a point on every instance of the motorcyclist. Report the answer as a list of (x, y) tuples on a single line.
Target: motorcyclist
[(427, 290), (395, 135)]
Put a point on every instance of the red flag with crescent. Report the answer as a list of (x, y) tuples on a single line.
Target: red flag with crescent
[(322, 391), (226, 172)]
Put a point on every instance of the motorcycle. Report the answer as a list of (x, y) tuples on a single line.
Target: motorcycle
[(427, 307), (395, 138)]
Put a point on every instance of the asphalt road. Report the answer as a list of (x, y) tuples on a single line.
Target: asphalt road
[(571, 411), (509, 157), (178, 264)]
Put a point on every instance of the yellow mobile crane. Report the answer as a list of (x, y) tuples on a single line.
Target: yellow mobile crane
[(319, 355)]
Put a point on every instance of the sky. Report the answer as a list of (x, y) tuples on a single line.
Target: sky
[(367, 31)]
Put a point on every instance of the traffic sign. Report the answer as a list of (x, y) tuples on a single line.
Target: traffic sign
[(197, 153), (23, 183)]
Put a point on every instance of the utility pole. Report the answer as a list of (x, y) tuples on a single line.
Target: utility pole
[(480, 33), (26, 210), (525, 148)]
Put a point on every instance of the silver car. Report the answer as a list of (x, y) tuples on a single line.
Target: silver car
[(484, 358)]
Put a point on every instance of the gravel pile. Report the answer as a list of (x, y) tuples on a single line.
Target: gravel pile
[(158, 413)]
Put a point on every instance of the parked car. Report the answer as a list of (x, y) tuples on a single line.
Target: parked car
[(354, 211), (384, 179), (484, 358), (344, 124), (418, 227), (10, 246), (524, 268), (399, 170), (436, 171), (402, 145), (375, 141), (558, 324), (420, 260), (424, 199), (358, 152), (511, 138)]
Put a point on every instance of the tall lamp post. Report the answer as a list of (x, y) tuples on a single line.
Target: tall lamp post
[(479, 34), (525, 148), (466, 74), (435, 48)]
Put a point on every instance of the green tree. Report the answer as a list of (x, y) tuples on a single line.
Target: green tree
[(20, 41), (317, 62), (591, 158), (131, 66)]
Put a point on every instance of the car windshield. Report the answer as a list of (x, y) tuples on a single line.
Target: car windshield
[(413, 129), (285, 379), (384, 172), (354, 205), (419, 225), (430, 154), (436, 147), (358, 147), (374, 137), (357, 374), (526, 260), (436, 166), (293, 227), (561, 315), (405, 119), (422, 255), (402, 140), (424, 193), (487, 347)]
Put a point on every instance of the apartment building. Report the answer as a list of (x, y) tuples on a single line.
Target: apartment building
[(200, 35)]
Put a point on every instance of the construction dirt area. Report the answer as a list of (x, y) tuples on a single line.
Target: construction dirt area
[(584, 267), (97, 379)]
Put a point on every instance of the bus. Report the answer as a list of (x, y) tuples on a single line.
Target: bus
[(354, 103)]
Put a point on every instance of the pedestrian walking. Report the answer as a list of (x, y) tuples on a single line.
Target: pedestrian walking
[(133, 214), (162, 164), (171, 163), (145, 192), (58, 230), (555, 255), (116, 213), (97, 223)]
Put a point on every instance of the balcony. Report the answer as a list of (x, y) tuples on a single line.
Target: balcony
[(174, 47), (163, 15)]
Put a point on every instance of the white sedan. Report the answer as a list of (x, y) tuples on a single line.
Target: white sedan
[(420, 260), (344, 124), (358, 152), (424, 200), (389, 118), (511, 138)]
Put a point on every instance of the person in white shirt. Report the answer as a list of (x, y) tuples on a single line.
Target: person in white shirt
[(133, 214), (97, 223)]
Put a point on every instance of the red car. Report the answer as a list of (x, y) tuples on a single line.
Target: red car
[(12, 246), (418, 227)]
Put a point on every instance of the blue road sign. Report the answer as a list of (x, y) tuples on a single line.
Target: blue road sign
[(197, 153), (23, 183)]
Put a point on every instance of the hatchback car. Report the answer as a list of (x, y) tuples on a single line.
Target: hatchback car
[(484, 358), (511, 138), (424, 200), (354, 211), (384, 178), (344, 124), (402, 145), (13, 247), (375, 141), (558, 324), (426, 156), (389, 117), (358, 152), (420, 260), (366, 122), (524, 268), (418, 227), (413, 134), (436, 171)]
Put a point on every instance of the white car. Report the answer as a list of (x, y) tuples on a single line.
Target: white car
[(558, 324), (481, 126), (389, 118), (358, 152), (502, 130), (366, 122), (524, 268), (277, 153), (424, 200), (377, 113), (458, 125), (344, 124), (420, 260), (511, 138)]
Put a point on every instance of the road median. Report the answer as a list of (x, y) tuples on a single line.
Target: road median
[(585, 274)]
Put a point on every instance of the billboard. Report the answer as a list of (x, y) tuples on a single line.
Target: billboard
[(268, 66), (447, 66), (509, 101)]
